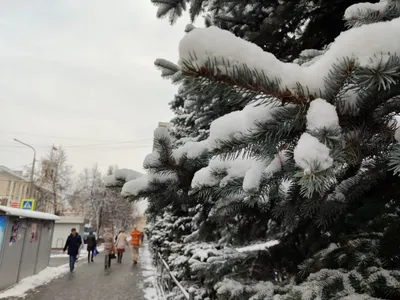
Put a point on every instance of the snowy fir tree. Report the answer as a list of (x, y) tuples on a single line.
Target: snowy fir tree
[(284, 28), (295, 195)]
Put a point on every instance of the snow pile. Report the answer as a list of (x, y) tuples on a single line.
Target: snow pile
[(32, 282), (258, 247), (311, 155), (149, 273), (361, 43), (321, 114), (141, 184)]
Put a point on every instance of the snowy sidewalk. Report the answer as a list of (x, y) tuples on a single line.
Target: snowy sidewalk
[(90, 281)]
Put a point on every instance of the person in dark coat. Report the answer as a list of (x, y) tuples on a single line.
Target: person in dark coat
[(74, 242), (91, 245)]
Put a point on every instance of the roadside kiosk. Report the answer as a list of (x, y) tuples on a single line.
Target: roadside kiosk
[(25, 242)]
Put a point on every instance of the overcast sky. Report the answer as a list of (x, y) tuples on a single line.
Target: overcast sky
[(79, 73)]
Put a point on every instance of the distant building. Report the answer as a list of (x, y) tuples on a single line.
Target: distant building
[(14, 187), (162, 125)]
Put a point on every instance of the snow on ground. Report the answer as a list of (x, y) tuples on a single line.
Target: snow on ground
[(258, 247), (20, 289), (29, 283), (149, 273)]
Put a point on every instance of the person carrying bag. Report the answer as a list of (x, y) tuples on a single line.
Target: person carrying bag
[(108, 248)]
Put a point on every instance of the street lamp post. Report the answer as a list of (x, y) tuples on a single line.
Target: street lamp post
[(33, 166)]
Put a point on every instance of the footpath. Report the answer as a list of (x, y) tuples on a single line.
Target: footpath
[(91, 281)]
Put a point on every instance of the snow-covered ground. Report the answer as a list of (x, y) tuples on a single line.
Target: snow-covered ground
[(32, 282), (149, 274), (50, 273)]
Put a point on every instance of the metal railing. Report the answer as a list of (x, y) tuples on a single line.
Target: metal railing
[(166, 280)]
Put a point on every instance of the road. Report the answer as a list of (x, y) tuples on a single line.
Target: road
[(91, 281)]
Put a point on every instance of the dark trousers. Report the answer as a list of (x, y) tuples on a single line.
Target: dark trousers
[(90, 255), (120, 254), (72, 260), (107, 260)]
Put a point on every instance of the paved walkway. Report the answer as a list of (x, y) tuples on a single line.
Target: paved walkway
[(91, 281)]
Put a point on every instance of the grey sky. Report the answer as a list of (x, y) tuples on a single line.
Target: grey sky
[(83, 69)]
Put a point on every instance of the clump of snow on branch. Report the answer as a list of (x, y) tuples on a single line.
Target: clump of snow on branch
[(239, 122), (225, 169), (311, 155), (110, 180), (141, 207), (321, 114), (355, 10), (127, 175), (121, 175), (361, 43), (252, 177), (190, 149), (258, 247), (396, 123), (161, 133), (152, 160), (141, 184)]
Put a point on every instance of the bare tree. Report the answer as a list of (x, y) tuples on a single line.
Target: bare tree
[(53, 179), (102, 206)]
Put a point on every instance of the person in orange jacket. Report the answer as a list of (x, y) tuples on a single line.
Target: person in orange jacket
[(135, 243)]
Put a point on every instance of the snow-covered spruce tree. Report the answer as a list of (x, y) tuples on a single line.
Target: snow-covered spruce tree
[(321, 144), (284, 28)]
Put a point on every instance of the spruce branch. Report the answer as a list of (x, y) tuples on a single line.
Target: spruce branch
[(171, 8), (338, 77), (168, 69), (383, 73), (241, 78)]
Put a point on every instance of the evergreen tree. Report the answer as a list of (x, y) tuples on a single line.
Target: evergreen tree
[(312, 161), (284, 28)]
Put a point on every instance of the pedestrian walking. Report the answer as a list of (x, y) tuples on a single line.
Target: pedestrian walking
[(135, 243), (120, 244), (91, 246), (73, 244), (108, 247)]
